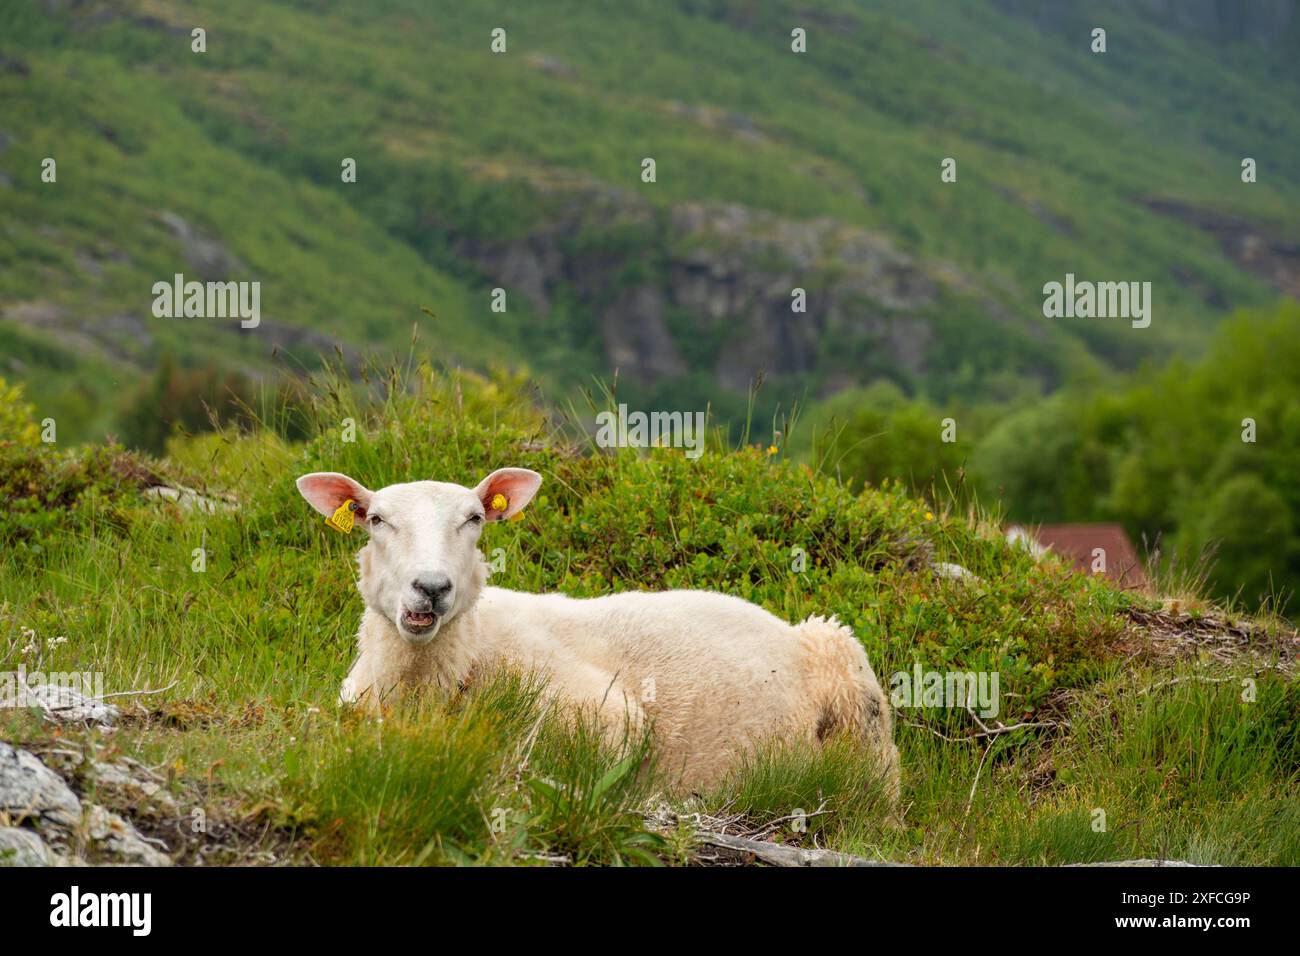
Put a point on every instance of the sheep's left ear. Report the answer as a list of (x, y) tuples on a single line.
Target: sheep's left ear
[(516, 485)]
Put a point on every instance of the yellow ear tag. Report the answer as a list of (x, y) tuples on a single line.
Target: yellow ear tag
[(499, 502), (342, 519)]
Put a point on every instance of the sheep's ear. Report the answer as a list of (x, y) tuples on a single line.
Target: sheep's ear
[(327, 490), (516, 485)]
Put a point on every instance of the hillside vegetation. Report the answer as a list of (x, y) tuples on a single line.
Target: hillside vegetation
[(1181, 723), (1196, 459), (522, 170)]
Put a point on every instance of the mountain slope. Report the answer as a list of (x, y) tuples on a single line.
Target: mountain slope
[(522, 170)]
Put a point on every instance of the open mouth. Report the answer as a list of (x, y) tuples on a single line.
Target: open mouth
[(417, 622)]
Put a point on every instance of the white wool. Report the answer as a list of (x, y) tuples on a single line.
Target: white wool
[(711, 675)]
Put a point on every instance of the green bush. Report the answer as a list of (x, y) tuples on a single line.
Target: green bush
[(186, 400), (1252, 536), (16, 423), (47, 491), (1162, 453)]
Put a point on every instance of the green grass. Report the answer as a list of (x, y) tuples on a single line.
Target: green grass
[(491, 777), (256, 644), (1186, 772), (832, 794)]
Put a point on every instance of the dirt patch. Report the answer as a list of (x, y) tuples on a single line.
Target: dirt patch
[(216, 830), (191, 715), (1169, 636)]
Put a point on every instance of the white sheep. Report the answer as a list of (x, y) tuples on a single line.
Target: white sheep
[(711, 675)]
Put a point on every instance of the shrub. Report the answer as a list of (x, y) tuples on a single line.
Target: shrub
[(16, 423), (46, 491)]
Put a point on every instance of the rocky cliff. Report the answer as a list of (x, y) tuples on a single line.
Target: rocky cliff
[(714, 285)]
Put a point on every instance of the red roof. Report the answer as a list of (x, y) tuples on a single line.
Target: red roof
[(1081, 543)]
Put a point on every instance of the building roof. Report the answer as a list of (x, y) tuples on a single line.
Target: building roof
[(1079, 542)]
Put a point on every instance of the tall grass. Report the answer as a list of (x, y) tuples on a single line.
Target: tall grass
[(247, 617), (493, 775)]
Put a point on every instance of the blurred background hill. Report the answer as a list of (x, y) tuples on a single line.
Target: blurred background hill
[(774, 171)]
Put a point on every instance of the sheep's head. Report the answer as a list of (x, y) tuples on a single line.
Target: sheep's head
[(421, 566)]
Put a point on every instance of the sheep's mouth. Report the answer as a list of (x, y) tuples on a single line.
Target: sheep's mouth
[(418, 622)]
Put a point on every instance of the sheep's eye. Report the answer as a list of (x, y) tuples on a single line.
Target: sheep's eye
[(474, 519), (376, 521)]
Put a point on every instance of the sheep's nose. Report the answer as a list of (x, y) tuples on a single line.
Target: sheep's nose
[(433, 586)]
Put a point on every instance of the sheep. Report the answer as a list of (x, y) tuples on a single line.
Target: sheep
[(710, 675)]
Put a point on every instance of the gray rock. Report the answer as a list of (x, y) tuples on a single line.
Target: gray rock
[(637, 341), (730, 269), (29, 790), (137, 784), (953, 572), (65, 705), (552, 65), (116, 837), (188, 499), (206, 255), (1140, 863), (19, 847)]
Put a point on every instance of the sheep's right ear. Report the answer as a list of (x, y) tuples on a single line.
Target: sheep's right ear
[(327, 490)]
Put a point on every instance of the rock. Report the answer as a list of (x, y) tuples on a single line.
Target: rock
[(552, 65), (637, 341), (136, 784), (188, 499), (953, 572), (29, 790), (729, 269), (1141, 863), (36, 313), (207, 256), (65, 705), (19, 847), (776, 854), (115, 836), (121, 335), (719, 120), (1265, 252)]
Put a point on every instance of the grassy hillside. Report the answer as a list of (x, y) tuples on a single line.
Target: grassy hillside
[(522, 170), (1178, 721)]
